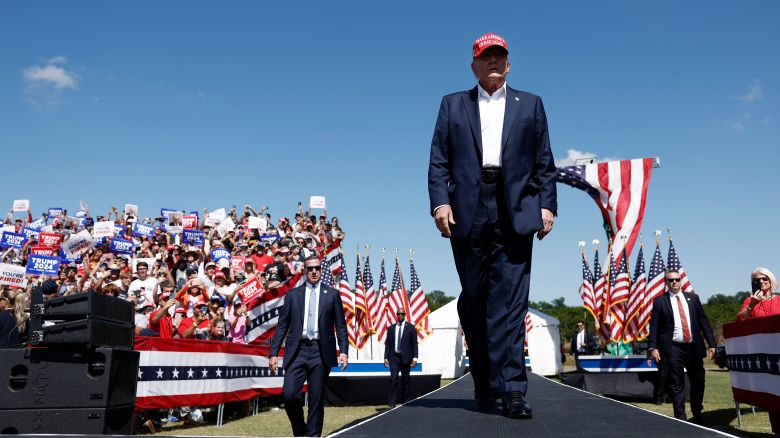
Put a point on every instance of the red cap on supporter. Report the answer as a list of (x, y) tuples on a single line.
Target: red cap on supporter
[(488, 40), (200, 303), (219, 274), (180, 310)]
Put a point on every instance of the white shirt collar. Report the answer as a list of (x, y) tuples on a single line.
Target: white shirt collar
[(675, 295), (500, 93)]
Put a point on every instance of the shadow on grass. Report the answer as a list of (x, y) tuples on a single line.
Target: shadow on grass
[(721, 420)]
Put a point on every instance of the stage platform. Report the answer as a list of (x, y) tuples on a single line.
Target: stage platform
[(559, 411)]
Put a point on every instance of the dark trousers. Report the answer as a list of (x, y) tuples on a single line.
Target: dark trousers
[(494, 266), (306, 366), (396, 383), (685, 355), (661, 389)]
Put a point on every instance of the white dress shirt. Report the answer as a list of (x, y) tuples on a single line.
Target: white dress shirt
[(307, 292), (581, 340), (491, 119), (677, 336)]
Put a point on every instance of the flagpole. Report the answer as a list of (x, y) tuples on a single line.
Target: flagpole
[(584, 311), (368, 310), (411, 260), (354, 301)]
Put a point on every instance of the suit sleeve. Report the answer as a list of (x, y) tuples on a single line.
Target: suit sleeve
[(546, 172), (281, 328), (414, 342), (704, 323), (652, 339), (438, 167), (341, 325), (390, 337)]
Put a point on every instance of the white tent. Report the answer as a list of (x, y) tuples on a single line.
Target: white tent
[(544, 342)]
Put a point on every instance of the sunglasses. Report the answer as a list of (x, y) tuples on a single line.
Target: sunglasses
[(401, 314), (674, 280), (313, 268), (764, 279)]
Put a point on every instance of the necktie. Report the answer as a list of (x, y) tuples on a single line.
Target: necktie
[(684, 321), (312, 309), (398, 331)]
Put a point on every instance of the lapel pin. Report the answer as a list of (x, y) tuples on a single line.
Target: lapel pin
[(517, 98)]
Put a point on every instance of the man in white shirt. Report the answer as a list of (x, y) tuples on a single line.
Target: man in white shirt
[(144, 285), (400, 356)]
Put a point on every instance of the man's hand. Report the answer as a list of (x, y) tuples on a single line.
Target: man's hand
[(343, 361), (273, 364), (655, 355), (547, 219), (387, 363), (443, 217), (414, 363), (711, 351)]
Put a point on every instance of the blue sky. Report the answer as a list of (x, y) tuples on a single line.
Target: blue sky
[(209, 104)]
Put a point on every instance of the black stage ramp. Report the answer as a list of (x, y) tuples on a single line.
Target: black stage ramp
[(559, 411)]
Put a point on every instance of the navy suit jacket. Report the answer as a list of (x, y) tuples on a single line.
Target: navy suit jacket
[(408, 342), (662, 325), (331, 316), (455, 166)]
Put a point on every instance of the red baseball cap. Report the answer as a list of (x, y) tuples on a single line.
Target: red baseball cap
[(488, 40), (219, 274)]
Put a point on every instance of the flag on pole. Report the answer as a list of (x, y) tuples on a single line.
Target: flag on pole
[(348, 302), (361, 316), (674, 263), (382, 305), (398, 297), (418, 304), (586, 288), (618, 295), (263, 313), (656, 286), (372, 309), (529, 325), (599, 294), (620, 191), (636, 298)]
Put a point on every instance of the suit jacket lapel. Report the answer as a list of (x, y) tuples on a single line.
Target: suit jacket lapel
[(509, 115), (471, 104)]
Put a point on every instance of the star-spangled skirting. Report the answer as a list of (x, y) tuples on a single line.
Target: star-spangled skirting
[(753, 353)]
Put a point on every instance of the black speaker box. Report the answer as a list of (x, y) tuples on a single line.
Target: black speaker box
[(115, 420), (89, 305), (45, 378), (90, 332)]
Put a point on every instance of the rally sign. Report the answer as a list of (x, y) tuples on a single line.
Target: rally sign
[(256, 222), (37, 224), (210, 222), (43, 250), (143, 230), (317, 202), (131, 210), (56, 212), (122, 246), (220, 253), (6, 229), (12, 240), (30, 234), (52, 240), (12, 275), (78, 243), (219, 214), (43, 265), (190, 221), (237, 264), (225, 227), (69, 259), (250, 290), (194, 237), (164, 212), (81, 214), (103, 229), (269, 238), (118, 229), (21, 205)]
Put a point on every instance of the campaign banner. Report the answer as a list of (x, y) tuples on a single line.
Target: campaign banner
[(81, 214), (164, 212), (194, 237), (317, 202), (37, 224), (753, 352), (78, 243), (43, 250), (237, 264), (210, 222), (190, 222), (12, 275), (69, 259), (256, 222), (225, 227), (142, 230), (219, 214), (103, 229), (56, 212), (30, 234), (220, 253), (269, 238), (131, 210), (21, 205), (99, 241), (43, 265), (121, 246), (12, 240), (52, 240), (6, 229), (250, 290)]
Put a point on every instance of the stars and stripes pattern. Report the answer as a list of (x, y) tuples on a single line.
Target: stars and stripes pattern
[(529, 325), (599, 295), (398, 296), (655, 287), (620, 191), (636, 298), (382, 305), (586, 288), (348, 302), (372, 309), (618, 296), (418, 304), (674, 263), (361, 315), (335, 262), (263, 312)]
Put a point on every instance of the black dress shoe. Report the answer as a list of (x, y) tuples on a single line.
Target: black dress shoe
[(485, 401), (696, 419), (515, 406)]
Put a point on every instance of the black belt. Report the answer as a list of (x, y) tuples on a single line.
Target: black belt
[(306, 341), (490, 175)]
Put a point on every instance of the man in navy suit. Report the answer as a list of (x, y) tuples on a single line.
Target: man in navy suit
[(308, 318), (491, 182), (400, 355), (678, 329)]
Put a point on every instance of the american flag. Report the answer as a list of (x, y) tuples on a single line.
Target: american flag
[(529, 325), (335, 262), (382, 304), (620, 191), (599, 294), (398, 297), (418, 304), (361, 316), (263, 312), (327, 277), (586, 288), (348, 301), (371, 299), (618, 295), (636, 298), (655, 287), (674, 263)]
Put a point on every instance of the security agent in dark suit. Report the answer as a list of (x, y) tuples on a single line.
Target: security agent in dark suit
[(307, 319), (491, 183), (400, 355), (582, 342), (678, 329)]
